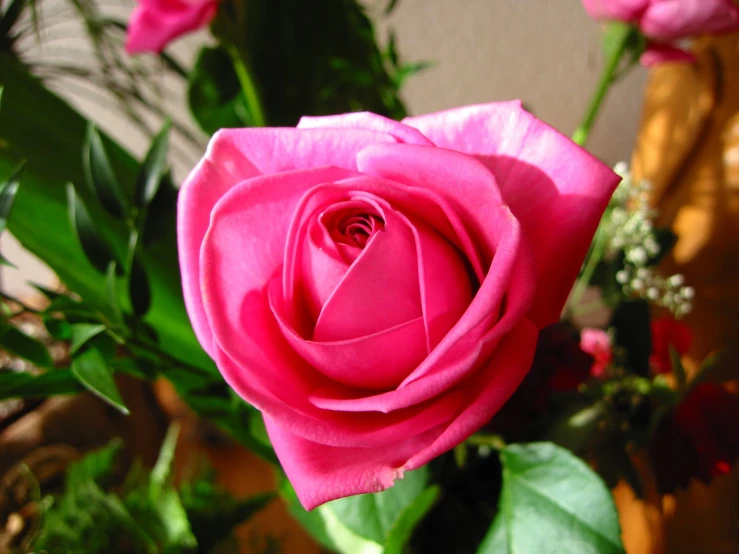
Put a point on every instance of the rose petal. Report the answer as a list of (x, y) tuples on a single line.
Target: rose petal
[(246, 239), (492, 387), (669, 20), (233, 156), (368, 121), (461, 180), (271, 385), (658, 53), (321, 473), (555, 188), (618, 10), (155, 23), (471, 340), (376, 361), (380, 290)]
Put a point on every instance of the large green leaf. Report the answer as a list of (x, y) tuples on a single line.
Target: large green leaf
[(552, 502), (373, 515), (38, 126)]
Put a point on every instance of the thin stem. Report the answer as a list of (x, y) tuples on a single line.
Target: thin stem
[(618, 41), (248, 87), (591, 264)]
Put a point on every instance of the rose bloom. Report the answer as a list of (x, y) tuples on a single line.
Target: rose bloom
[(376, 288), (666, 22), (698, 438), (155, 23)]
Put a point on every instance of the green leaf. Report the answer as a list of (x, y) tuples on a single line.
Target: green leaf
[(153, 168), (176, 527), (59, 329), (552, 502), (345, 540), (213, 515), (402, 530), (373, 515), (18, 343), (214, 93), (100, 176), (163, 467), (96, 249), (25, 385), (311, 521), (83, 332), (95, 375), (138, 288), (496, 541), (113, 302), (8, 190), (40, 216), (97, 466)]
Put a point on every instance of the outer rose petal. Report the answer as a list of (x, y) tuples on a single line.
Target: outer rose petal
[(322, 473), (155, 23), (668, 20), (233, 156), (658, 53), (619, 10), (555, 188), (368, 121)]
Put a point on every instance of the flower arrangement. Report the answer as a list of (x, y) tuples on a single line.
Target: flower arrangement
[(386, 309)]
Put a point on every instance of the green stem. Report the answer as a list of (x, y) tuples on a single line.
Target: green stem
[(248, 88), (591, 264), (618, 42)]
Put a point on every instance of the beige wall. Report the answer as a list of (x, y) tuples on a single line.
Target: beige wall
[(545, 52)]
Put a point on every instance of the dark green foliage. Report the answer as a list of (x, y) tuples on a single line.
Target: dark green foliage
[(98, 512), (308, 58)]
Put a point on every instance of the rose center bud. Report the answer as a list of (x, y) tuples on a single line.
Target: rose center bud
[(377, 281), (357, 229)]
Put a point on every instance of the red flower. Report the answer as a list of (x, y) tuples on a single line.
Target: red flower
[(698, 438), (666, 332)]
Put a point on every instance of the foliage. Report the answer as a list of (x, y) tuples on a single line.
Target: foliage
[(97, 512)]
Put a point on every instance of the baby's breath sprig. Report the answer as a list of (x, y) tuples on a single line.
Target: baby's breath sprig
[(630, 230)]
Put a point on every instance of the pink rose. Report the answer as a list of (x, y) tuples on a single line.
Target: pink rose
[(376, 288), (665, 22), (155, 23)]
